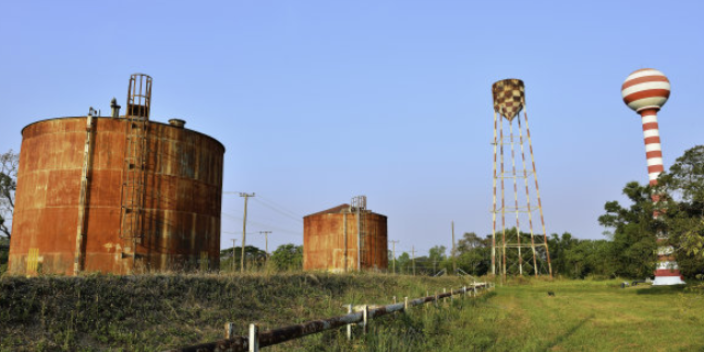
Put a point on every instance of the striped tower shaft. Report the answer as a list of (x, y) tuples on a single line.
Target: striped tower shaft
[(667, 269), (493, 214), (653, 149)]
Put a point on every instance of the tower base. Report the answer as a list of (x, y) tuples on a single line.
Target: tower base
[(668, 281)]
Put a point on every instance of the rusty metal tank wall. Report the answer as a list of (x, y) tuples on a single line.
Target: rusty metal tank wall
[(324, 245), (182, 206)]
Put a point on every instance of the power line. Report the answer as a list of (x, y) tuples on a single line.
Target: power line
[(263, 225), (282, 208), (272, 204), (285, 214)]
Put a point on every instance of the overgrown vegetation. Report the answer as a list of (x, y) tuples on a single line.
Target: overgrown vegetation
[(154, 313), (4, 254), (157, 312), (9, 164)]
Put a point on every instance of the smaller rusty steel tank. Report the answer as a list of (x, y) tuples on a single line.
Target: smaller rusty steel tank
[(332, 242), (73, 184)]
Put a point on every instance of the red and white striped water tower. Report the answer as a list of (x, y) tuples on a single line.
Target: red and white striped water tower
[(646, 91)]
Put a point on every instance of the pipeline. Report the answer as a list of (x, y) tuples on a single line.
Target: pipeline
[(276, 336)]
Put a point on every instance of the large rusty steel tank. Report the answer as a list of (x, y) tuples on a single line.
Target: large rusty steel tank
[(332, 242), (69, 212)]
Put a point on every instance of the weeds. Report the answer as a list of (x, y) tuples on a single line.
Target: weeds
[(157, 312)]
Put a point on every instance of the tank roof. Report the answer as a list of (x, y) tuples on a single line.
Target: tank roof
[(122, 118), (338, 209)]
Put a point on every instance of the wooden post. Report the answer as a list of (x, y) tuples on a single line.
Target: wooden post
[(405, 304), (244, 229), (229, 330), (454, 260), (394, 299), (253, 338)]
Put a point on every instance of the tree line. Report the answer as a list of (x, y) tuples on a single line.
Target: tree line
[(628, 249)]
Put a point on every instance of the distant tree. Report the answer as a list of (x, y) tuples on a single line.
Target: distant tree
[(424, 266), (681, 208), (437, 256), (634, 229), (469, 241), (4, 254), (403, 263), (287, 257), (474, 254), (683, 213), (254, 256), (9, 164)]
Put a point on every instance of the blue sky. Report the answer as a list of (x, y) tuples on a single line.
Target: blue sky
[(319, 101)]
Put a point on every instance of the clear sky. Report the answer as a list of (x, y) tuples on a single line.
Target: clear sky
[(319, 101)]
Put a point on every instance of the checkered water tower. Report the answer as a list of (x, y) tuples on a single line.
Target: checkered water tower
[(646, 91), (508, 251)]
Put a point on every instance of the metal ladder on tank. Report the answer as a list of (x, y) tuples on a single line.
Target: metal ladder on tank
[(134, 167), (359, 203)]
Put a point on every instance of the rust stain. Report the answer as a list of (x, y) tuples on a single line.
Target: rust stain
[(182, 218), (325, 248)]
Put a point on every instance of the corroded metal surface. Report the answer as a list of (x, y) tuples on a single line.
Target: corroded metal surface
[(325, 247), (182, 206)]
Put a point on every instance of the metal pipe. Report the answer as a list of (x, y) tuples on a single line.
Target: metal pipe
[(83, 195), (276, 336)]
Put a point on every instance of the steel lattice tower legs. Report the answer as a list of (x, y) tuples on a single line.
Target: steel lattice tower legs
[(508, 102)]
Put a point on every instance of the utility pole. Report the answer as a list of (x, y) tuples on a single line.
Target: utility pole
[(454, 261), (266, 243), (244, 226), (413, 259), (233, 254), (393, 243)]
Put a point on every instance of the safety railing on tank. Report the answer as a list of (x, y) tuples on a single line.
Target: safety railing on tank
[(360, 314)]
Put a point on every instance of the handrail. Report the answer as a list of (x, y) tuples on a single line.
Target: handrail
[(287, 333)]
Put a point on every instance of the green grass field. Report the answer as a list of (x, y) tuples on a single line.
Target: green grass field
[(582, 316), (158, 312), (588, 315)]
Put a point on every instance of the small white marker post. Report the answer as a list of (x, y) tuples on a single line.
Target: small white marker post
[(366, 318), (253, 338), (349, 326), (405, 304)]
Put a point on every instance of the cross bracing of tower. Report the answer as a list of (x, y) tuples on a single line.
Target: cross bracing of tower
[(509, 102)]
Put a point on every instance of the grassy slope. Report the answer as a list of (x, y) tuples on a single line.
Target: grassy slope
[(158, 312), (166, 311)]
